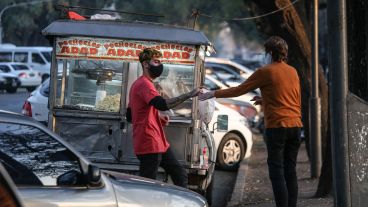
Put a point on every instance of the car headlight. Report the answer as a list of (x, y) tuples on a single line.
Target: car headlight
[(244, 121), (2, 79)]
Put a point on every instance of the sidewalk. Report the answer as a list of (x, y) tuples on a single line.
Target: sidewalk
[(253, 186)]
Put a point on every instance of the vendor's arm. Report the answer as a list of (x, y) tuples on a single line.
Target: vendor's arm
[(173, 102), (165, 104)]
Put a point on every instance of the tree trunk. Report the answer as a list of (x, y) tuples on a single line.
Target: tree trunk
[(288, 24)]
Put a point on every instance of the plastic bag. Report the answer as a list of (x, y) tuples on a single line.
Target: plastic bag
[(206, 110)]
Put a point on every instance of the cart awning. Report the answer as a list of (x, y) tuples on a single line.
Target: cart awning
[(125, 30)]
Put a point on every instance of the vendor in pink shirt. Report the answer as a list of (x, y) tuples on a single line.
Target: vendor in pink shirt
[(150, 144)]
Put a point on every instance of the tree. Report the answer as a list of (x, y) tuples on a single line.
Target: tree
[(23, 24), (292, 25)]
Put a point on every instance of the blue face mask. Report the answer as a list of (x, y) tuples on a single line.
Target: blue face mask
[(267, 59)]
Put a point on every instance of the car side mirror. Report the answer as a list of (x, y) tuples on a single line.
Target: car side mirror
[(69, 178), (222, 122), (94, 175)]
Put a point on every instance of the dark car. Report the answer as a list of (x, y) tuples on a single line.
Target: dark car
[(9, 82), (49, 172)]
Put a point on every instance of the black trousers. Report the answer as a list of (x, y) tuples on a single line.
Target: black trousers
[(282, 147), (149, 164)]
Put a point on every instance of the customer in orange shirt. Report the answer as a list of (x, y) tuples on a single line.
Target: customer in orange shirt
[(281, 101)]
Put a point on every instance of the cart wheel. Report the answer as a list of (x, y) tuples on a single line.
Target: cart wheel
[(230, 152)]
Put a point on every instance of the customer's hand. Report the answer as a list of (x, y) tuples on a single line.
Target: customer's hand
[(195, 92), (207, 95)]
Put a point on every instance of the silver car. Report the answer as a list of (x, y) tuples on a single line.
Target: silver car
[(49, 172)]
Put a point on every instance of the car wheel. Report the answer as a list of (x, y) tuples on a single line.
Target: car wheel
[(230, 152), (30, 89), (11, 89)]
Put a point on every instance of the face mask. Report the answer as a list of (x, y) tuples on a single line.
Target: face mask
[(155, 71), (267, 59)]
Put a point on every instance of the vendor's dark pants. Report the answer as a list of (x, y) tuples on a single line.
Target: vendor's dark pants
[(282, 147), (149, 164)]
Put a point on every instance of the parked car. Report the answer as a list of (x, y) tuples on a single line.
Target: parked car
[(225, 75), (37, 58), (241, 104), (226, 63), (233, 139), (36, 104), (213, 84), (29, 78), (252, 64), (228, 72), (50, 172), (9, 82)]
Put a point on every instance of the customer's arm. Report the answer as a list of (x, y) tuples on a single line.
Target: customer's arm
[(253, 82)]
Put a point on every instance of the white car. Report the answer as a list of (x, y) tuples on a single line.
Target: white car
[(241, 104), (29, 78), (38, 58), (213, 84), (233, 138), (228, 72), (236, 67), (36, 104)]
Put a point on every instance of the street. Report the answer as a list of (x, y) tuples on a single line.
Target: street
[(224, 184), (224, 180), (13, 101)]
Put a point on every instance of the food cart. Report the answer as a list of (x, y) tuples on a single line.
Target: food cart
[(95, 62)]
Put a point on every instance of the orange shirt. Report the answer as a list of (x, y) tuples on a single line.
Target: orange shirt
[(280, 89)]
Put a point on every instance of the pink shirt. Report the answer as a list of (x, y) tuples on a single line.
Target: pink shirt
[(148, 134)]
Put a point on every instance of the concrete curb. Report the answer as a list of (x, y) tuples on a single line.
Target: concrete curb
[(239, 187)]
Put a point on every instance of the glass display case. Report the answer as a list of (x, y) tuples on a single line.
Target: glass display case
[(91, 85), (175, 81)]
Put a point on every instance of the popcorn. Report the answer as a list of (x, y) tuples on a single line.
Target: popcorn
[(109, 103)]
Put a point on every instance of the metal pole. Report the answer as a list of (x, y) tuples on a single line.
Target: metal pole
[(315, 103), (337, 38)]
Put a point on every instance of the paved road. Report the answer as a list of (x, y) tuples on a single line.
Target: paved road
[(224, 184), (224, 181), (13, 101)]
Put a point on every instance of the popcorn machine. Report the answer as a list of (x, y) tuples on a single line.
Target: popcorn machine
[(94, 64)]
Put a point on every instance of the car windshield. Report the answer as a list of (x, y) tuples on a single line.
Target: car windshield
[(47, 56), (20, 67), (33, 157)]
